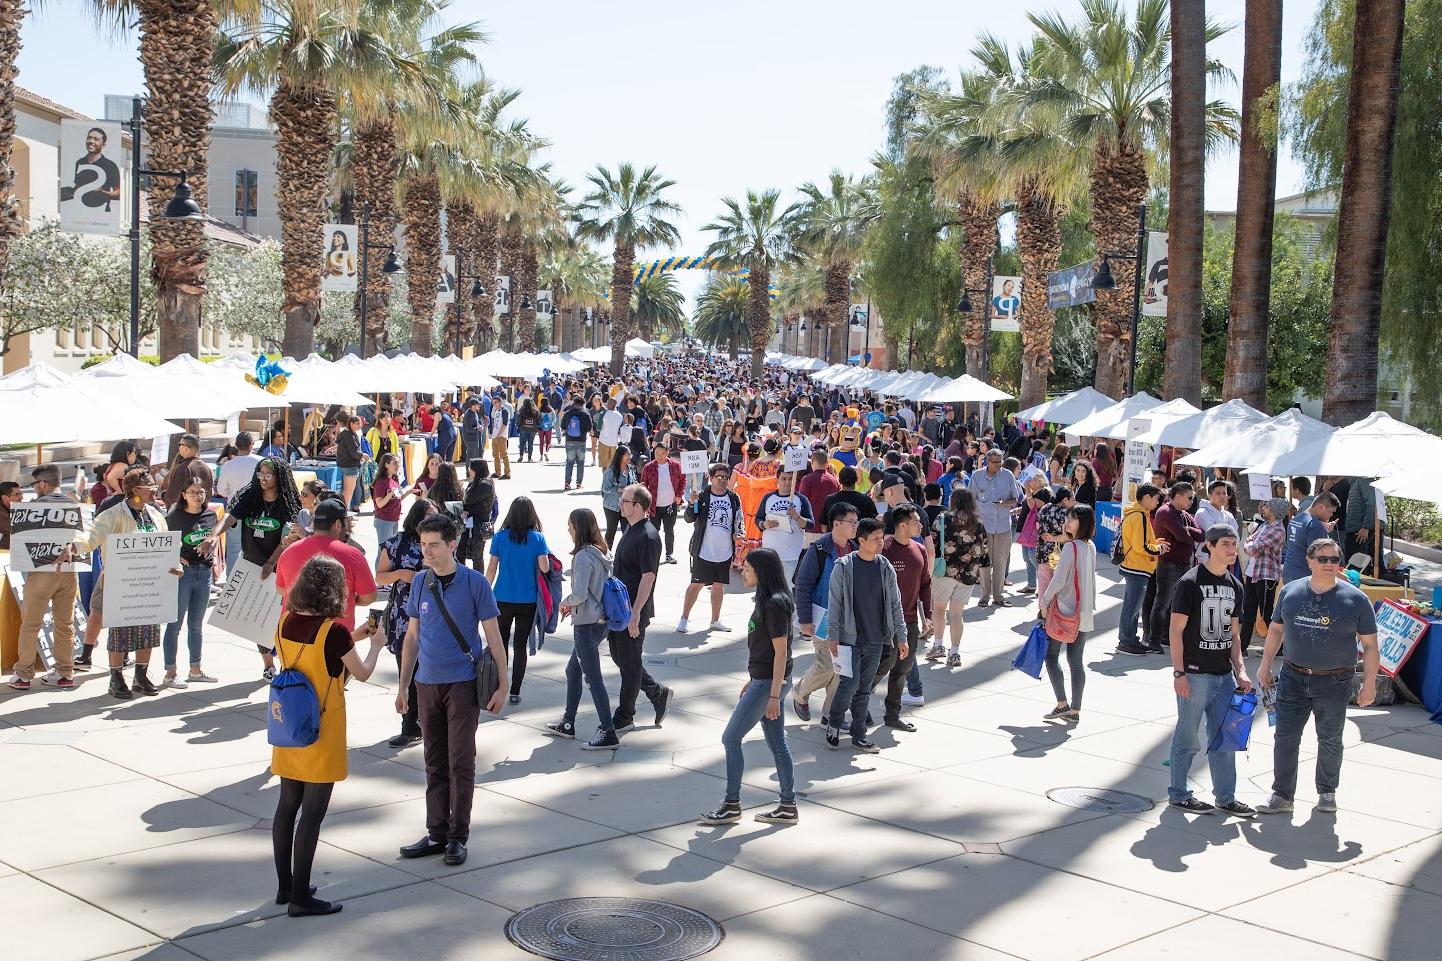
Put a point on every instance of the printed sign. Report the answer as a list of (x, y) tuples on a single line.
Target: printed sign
[(794, 458), (1398, 631), (1154, 283), (39, 531), (545, 304), (91, 156), (1259, 487), (503, 294), (45, 639), (248, 606), (446, 286), (139, 586), (1139, 460), (693, 462), (339, 267), (1006, 303), (1070, 287)]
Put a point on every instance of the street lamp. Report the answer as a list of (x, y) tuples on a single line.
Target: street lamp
[(1104, 280), (477, 291), (180, 207), (391, 266)]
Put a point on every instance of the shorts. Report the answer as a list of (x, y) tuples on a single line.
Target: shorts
[(126, 640), (97, 598), (710, 572), (349, 471)]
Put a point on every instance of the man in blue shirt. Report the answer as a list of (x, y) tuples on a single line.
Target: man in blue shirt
[(996, 492), (446, 683), (1314, 523)]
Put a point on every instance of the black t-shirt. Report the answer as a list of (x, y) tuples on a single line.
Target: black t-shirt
[(1210, 603), (769, 620), (193, 529), (260, 535), (868, 602), (639, 554), (301, 628), (865, 506)]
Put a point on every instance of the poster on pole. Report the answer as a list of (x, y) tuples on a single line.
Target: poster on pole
[(339, 271), (503, 294), (39, 531), (1006, 303), (545, 304), (1154, 279), (248, 606), (446, 286), (1071, 287), (139, 586), (1398, 631), (1139, 460), (91, 156), (693, 462)]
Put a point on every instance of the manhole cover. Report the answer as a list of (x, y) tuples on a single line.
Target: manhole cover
[(1100, 799), (613, 929)]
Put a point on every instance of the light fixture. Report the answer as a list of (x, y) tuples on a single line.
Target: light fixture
[(392, 264), (1103, 279), (963, 306), (181, 206), (477, 290)]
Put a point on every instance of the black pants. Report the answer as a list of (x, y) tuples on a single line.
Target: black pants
[(614, 522), (409, 724), (522, 617), (895, 669), (295, 844), (449, 714), (666, 520), (1259, 597), (1149, 600), (1166, 581), (626, 653)]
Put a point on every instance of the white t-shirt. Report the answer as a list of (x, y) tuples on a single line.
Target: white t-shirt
[(788, 539), (718, 542), (611, 422), (908, 417), (235, 474), (665, 493)]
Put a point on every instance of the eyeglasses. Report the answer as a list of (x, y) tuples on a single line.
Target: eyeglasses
[(1328, 558)]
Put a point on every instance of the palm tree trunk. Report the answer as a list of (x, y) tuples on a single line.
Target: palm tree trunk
[(758, 316), (622, 260), (1364, 213), (1118, 187), (1038, 238), (1182, 376), (981, 243), (1247, 323), (12, 224), (422, 211), (528, 266), (373, 167), (488, 247), (460, 234), (177, 45), (305, 134), (835, 310)]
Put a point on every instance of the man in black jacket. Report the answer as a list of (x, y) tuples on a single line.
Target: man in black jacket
[(472, 429), (575, 427)]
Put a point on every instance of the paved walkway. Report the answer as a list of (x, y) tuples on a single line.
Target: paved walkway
[(139, 829)]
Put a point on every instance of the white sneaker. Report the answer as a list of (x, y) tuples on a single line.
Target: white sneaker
[(681, 626), (178, 682), (718, 626), (910, 700), (49, 677)]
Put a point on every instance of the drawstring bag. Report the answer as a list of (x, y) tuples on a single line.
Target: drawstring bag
[(1032, 655), (1236, 727)]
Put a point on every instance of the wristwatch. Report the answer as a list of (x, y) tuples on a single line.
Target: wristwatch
[(1179, 674)]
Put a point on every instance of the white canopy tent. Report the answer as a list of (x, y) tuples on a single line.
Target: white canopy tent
[(231, 384), (1069, 408), (635, 347), (1375, 446), (965, 389), (58, 408), (1417, 483), (138, 386), (1234, 417), (1162, 413), (1109, 417), (1262, 443)]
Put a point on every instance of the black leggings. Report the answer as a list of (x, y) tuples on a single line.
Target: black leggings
[(523, 617), (1260, 595), (614, 521), (666, 520), (295, 844), (1073, 661)]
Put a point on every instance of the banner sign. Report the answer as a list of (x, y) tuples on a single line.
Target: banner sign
[(446, 286), (503, 294), (139, 586), (340, 257), (1006, 303), (91, 156), (248, 606), (545, 304), (1139, 460), (1398, 631), (1071, 287), (45, 639), (39, 531), (1154, 283)]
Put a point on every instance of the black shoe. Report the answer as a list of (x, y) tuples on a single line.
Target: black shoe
[(561, 729), (1156, 649), (282, 896), (515, 699), (84, 660), (662, 703), (623, 728), (1194, 806), (312, 907), (1134, 650), (118, 687), (455, 853), (142, 683), (899, 724), (833, 737), (728, 812), (803, 711), (404, 739), (423, 848), (783, 814), (603, 741), (864, 745), (1237, 809)]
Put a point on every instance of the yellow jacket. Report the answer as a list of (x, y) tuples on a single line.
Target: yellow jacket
[(1139, 541), (373, 438)]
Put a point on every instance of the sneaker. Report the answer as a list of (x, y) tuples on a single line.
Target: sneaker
[(670, 559), (783, 814), (803, 711), (1237, 809), (268, 674), (1194, 806), (833, 737), (728, 812), (403, 739), (662, 703), (953, 660), (1132, 650), (1276, 804), (603, 741), (1155, 649), (175, 681), (19, 683), (64, 684), (1029, 589), (49, 677), (681, 626), (935, 654), (625, 728), (1056, 712), (200, 677), (912, 700), (718, 626), (564, 729), (864, 745), (1327, 803)]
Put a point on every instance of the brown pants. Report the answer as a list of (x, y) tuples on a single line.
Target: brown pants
[(449, 714), (501, 454), (605, 454), (42, 590)]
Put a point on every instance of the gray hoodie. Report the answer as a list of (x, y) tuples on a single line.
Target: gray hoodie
[(841, 619), (589, 569)]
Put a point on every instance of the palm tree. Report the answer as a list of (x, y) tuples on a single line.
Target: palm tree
[(1246, 373), (801, 295), (660, 307), (723, 312), (1108, 78), (576, 276), (12, 224), (832, 221), (626, 208), (755, 238), (1186, 209), (1364, 212), (421, 202)]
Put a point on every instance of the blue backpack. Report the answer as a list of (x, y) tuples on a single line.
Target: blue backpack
[(295, 712), (574, 430), (616, 602)]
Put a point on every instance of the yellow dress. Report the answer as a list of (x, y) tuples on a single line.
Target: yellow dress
[(323, 762)]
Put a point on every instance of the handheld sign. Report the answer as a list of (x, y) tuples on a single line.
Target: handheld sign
[(693, 462), (794, 459), (139, 585), (1259, 486)]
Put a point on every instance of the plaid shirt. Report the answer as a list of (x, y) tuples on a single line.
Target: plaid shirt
[(1264, 548)]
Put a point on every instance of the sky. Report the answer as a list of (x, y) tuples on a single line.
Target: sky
[(748, 95)]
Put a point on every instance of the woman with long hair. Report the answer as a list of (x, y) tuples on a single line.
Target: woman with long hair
[(585, 605), (422, 486), (733, 445), (768, 668), (964, 550), (614, 480), (478, 512), (310, 638), (447, 487), (518, 555), (386, 496), (640, 446), (397, 561), (1104, 465), (548, 424), (1083, 483), (193, 518), (1059, 465), (1073, 590), (528, 421), (122, 457)]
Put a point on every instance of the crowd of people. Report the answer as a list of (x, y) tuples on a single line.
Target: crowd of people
[(863, 526)]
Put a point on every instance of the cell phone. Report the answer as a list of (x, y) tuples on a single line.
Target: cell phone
[(375, 616)]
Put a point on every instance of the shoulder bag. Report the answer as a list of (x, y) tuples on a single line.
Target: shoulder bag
[(938, 566), (1065, 627), (488, 677)]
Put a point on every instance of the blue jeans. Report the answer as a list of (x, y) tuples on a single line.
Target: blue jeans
[(385, 530), (190, 609), (576, 456), (913, 677), (528, 444), (1028, 554), (1211, 696), (1323, 698), (750, 709), (851, 694), (586, 659), (1136, 589)]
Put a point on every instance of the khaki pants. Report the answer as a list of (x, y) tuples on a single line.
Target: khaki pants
[(605, 453), (501, 454), (42, 590), (822, 672), (998, 548)]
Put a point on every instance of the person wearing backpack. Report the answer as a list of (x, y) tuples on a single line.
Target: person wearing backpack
[(716, 525), (575, 429), (311, 641), (813, 582), (586, 606)]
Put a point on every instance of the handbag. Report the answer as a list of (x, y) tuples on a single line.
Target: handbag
[(1065, 627), (1033, 652), (488, 676), (1236, 727)]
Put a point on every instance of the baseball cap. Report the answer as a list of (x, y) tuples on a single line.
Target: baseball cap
[(329, 511), (890, 481)]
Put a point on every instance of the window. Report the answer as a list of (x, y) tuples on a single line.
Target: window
[(62, 338), (247, 193)]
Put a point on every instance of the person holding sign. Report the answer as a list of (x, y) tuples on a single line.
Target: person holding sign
[(784, 516), (47, 590), (664, 481), (715, 516)]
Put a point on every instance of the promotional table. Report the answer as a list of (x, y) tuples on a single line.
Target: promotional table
[(1422, 673)]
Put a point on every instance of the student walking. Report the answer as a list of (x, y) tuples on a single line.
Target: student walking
[(813, 586), (964, 556), (585, 605), (717, 525), (1071, 595), (638, 560), (615, 478), (519, 554)]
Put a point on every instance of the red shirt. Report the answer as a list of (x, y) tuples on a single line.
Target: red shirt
[(382, 487), (912, 574), (816, 486), (358, 577)]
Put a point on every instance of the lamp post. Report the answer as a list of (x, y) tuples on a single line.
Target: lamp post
[(179, 207), (391, 266), (525, 304), (477, 291), (1103, 280)]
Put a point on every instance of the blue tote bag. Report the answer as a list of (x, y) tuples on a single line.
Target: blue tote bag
[(1236, 728), (1033, 653)]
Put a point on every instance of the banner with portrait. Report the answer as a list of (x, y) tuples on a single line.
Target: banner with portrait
[(341, 250), (545, 304), (1006, 303), (1154, 280), (446, 285), (1071, 287), (503, 294), (91, 158)]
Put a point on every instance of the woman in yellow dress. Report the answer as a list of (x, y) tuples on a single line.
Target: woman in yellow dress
[(311, 639)]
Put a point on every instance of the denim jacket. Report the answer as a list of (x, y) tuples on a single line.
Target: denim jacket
[(611, 487)]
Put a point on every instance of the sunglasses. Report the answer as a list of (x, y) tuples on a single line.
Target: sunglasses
[(1328, 558)]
